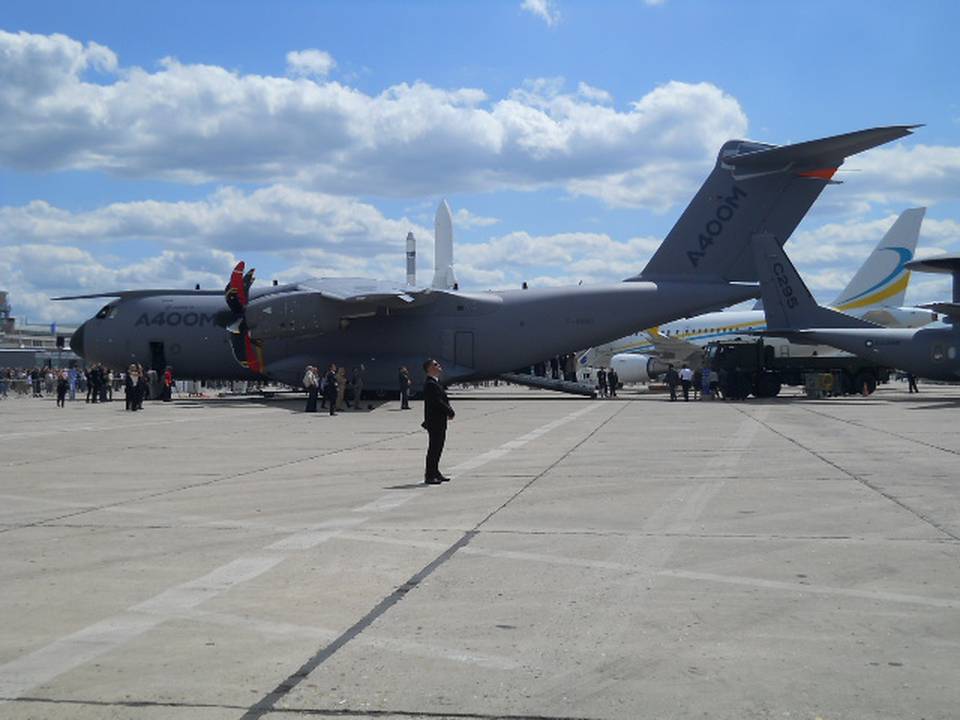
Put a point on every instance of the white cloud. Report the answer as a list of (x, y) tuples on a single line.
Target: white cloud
[(199, 123), (277, 218), (920, 174), (559, 259), (317, 63), (595, 94), (35, 273), (852, 240), (544, 9), (463, 218)]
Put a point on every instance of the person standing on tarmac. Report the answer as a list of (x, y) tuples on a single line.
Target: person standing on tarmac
[(142, 389), (612, 381), (436, 412), (341, 386), (912, 383), (686, 380), (130, 388), (404, 380), (167, 392), (602, 382), (330, 389), (62, 386), (311, 383), (672, 381), (357, 382)]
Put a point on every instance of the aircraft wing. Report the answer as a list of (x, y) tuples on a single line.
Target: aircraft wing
[(671, 348), (949, 309), (364, 291), (127, 294), (323, 305)]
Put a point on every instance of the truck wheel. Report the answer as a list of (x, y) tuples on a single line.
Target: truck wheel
[(768, 385), (740, 387), (865, 383)]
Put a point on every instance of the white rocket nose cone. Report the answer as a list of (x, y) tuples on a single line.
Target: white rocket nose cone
[(443, 247)]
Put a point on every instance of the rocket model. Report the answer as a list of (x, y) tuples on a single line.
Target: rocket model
[(443, 276), (411, 259)]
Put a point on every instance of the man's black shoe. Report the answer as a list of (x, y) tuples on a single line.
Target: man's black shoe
[(443, 478), (432, 481)]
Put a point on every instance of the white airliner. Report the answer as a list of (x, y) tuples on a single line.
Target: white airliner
[(875, 293)]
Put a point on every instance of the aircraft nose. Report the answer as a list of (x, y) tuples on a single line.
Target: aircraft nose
[(76, 340)]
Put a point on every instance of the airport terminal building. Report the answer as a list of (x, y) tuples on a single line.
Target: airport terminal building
[(24, 345)]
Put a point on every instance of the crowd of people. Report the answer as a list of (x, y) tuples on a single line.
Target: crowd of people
[(702, 383), (336, 388), (93, 384)]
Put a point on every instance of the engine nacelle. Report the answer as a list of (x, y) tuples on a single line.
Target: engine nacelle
[(637, 368), (294, 314)]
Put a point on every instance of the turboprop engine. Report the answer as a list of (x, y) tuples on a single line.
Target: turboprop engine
[(637, 368)]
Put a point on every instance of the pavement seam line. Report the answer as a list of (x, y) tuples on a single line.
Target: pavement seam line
[(314, 712), (879, 430), (863, 481), (268, 702), (41, 665)]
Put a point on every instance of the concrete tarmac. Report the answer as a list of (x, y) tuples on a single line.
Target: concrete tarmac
[(629, 558)]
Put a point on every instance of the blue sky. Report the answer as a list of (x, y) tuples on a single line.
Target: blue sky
[(152, 144)]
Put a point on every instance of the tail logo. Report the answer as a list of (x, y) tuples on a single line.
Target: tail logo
[(784, 282), (714, 227)]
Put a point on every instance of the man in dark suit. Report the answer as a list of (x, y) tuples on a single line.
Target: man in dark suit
[(436, 413), (404, 378)]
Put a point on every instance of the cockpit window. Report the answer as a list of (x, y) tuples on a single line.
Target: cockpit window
[(107, 311)]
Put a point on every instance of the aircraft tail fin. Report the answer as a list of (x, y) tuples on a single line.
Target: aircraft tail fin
[(787, 303), (753, 188), (883, 278)]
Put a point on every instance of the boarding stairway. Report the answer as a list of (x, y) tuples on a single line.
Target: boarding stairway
[(546, 383)]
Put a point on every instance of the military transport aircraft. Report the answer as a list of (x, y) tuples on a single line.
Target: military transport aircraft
[(704, 263), (791, 312)]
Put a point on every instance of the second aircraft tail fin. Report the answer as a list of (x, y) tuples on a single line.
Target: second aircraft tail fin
[(753, 188), (883, 278), (787, 303)]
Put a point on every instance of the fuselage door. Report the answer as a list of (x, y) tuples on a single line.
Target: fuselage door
[(158, 357)]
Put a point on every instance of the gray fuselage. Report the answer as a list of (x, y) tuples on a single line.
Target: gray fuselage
[(931, 352), (474, 335)]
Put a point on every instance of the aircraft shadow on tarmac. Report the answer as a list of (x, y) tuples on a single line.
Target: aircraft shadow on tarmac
[(553, 397), (293, 403)]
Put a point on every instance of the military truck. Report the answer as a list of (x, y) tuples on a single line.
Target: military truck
[(748, 367)]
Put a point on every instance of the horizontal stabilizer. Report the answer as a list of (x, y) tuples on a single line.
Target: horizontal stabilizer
[(826, 152), (950, 309), (949, 264), (753, 188)]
